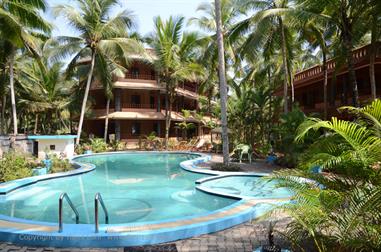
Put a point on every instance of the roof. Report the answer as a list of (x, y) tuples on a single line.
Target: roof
[(35, 137), (137, 84), (148, 115)]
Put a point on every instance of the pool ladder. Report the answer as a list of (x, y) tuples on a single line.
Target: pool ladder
[(98, 199)]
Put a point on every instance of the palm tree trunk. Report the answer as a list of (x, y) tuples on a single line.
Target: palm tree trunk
[(3, 126), (372, 59), (106, 120), (285, 65), (35, 124), (12, 88), (83, 109), (325, 73), (167, 117), (223, 85), (347, 39)]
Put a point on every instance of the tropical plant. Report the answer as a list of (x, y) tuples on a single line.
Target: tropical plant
[(176, 53), (98, 145), (338, 212), (14, 166), (20, 21), (285, 134), (103, 40), (185, 125), (268, 33)]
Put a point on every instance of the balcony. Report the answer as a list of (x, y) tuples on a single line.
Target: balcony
[(140, 106), (139, 76), (359, 55)]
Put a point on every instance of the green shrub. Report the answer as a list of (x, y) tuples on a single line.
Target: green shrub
[(98, 145), (117, 145), (221, 167), (60, 165), (14, 166)]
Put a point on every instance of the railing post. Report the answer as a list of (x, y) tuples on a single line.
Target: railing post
[(60, 222)]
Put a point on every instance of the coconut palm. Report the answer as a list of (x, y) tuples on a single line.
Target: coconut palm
[(102, 39), (374, 13), (268, 32), (18, 18), (176, 53), (44, 94), (349, 24), (223, 83)]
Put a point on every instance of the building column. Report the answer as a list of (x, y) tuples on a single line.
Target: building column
[(158, 101), (118, 106), (159, 129), (117, 130)]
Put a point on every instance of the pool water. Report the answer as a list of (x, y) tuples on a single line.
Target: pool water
[(251, 186), (135, 187)]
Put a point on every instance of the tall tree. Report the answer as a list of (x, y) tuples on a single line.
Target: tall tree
[(375, 29), (223, 84), (268, 33), (347, 16), (176, 53), (18, 18), (102, 38)]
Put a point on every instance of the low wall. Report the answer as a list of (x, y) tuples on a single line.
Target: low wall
[(22, 144)]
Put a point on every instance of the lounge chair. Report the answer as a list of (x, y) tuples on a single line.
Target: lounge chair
[(240, 150)]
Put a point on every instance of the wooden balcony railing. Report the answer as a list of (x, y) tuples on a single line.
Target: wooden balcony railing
[(139, 76), (139, 106), (358, 55)]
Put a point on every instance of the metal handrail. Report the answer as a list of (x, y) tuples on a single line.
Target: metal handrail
[(60, 205), (98, 198)]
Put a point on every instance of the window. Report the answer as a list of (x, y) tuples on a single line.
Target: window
[(135, 73), (152, 102), (52, 147), (155, 128), (135, 129), (135, 99)]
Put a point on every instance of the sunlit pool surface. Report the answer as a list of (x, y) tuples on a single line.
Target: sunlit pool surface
[(135, 188), (249, 186)]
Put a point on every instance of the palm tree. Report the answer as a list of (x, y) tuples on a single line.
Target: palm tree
[(318, 34), (18, 18), (267, 32), (176, 53), (101, 38), (223, 84), (375, 10), (348, 22), (44, 94)]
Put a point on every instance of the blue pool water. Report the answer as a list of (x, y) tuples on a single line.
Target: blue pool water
[(251, 186), (135, 187)]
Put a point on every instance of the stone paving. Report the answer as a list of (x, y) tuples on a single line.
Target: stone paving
[(241, 238)]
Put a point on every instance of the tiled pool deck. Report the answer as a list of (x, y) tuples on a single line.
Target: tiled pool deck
[(240, 238)]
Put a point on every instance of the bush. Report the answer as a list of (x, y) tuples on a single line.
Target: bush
[(221, 167), (60, 165), (14, 166), (96, 145), (116, 145)]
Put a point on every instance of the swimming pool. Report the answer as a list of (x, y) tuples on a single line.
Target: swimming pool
[(149, 198)]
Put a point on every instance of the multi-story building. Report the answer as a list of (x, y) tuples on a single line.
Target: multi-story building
[(309, 84), (138, 106)]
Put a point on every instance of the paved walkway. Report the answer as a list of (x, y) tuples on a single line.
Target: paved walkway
[(240, 238)]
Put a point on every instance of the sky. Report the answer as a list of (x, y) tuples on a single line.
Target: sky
[(144, 10)]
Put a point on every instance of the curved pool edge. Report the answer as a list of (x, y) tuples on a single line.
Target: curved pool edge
[(35, 233)]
